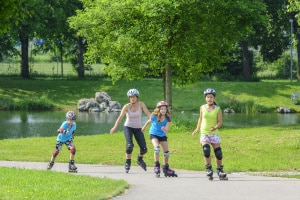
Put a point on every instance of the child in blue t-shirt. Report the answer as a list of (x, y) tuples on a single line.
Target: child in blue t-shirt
[(160, 119), (66, 136)]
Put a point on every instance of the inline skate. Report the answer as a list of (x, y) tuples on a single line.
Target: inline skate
[(141, 163), (127, 165), (209, 172), (168, 172), (50, 165), (157, 169), (72, 167), (222, 175)]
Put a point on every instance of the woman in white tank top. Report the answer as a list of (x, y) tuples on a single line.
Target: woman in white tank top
[(132, 127)]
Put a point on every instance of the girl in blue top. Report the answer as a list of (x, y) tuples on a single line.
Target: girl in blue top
[(65, 136), (160, 119)]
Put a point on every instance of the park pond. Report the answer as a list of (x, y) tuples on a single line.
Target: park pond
[(17, 124)]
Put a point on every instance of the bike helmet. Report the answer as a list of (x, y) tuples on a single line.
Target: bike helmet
[(132, 92), (71, 115), (209, 91), (161, 103)]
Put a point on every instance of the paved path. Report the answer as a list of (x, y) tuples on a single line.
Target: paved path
[(189, 185)]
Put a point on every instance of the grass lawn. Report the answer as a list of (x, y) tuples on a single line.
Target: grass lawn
[(246, 149), (64, 93)]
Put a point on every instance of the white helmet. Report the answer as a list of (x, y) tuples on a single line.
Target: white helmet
[(71, 115), (132, 92), (209, 91)]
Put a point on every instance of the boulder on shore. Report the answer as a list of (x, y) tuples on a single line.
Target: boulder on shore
[(101, 103)]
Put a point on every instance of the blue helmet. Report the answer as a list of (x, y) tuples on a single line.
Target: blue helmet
[(209, 91)]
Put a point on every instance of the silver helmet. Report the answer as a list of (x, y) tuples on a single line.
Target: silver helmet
[(209, 91), (71, 115), (132, 92)]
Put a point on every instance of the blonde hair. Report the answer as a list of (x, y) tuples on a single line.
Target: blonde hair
[(157, 113)]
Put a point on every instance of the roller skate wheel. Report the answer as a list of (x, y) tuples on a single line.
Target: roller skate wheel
[(210, 178), (157, 175)]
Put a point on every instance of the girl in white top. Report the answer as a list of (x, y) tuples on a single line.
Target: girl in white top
[(132, 127)]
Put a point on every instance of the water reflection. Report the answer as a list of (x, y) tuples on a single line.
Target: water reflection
[(238, 119), (33, 124)]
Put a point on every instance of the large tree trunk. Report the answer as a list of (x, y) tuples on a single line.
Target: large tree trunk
[(298, 51), (61, 58), (168, 85), (246, 61), (80, 50), (24, 56), (164, 83)]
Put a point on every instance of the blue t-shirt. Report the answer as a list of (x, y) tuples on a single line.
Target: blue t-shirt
[(155, 128), (67, 136)]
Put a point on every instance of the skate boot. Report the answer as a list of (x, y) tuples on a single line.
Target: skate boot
[(168, 172), (127, 165), (222, 175), (141, 163), (209, 172), (157, 169), (50, 165), (72, 167)]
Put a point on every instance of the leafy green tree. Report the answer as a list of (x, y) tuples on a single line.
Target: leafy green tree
[(46, 19), (294, 9), (177, 39), (8, 8), (60, 38)]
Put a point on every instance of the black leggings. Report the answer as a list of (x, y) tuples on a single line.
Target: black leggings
[(139, 137)]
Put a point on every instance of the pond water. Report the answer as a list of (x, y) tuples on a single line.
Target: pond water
[(43, 124)]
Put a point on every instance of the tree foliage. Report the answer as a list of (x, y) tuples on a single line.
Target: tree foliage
[(8, 9), (152, 37)]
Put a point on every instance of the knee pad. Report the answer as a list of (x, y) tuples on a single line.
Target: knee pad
[(129, 148), (167, 154), (143, 151), (157, 150), (218, 153), (55, 153), (206, 150), (73, 150)]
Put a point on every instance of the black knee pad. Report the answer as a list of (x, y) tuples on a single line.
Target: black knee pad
[(218, 153), (206, 150), (143, 151), (129, 148)]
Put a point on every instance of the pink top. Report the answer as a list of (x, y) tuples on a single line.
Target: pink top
[(134, 119)]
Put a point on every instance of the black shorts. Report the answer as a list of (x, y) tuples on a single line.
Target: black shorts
[(161, 139)]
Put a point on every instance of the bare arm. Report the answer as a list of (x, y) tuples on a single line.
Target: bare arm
[(199, 123), (166, 128), (146, 124), (220, 121), (145, 109), (121, 116)]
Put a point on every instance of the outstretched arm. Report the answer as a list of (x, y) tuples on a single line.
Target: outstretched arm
[(146, 124), (145, 109), (198, 124), (118, 121)]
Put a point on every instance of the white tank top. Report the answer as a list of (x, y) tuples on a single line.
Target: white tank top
[(134, 119)]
